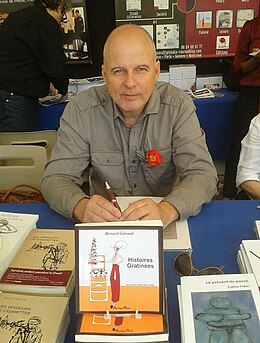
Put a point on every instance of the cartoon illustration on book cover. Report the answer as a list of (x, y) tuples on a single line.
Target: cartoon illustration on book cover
[(111, 275), (22, 332), (226, 317), (55, 255)]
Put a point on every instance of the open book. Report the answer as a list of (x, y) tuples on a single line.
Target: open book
[(120, 282)]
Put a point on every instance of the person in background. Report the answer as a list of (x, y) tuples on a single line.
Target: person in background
[(248, 170), (78, 24), (247, 105), (32, 62), (140, 136)]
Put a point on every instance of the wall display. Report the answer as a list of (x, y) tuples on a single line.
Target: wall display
[(186, 29), (74, 28)]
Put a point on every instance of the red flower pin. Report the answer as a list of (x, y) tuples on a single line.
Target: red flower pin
[(154, 158)]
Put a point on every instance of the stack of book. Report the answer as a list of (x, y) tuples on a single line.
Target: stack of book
[(44, 264), (248, 258), (219, 308), (14, 228), (120, 289)]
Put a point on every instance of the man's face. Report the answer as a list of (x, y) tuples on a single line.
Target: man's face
[(130, 72), (33, 324)]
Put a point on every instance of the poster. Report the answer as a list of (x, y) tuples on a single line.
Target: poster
[(74, 28), (188, 29)]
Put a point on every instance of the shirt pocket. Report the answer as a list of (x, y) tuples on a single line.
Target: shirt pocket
[(109, 167), (161, 174)]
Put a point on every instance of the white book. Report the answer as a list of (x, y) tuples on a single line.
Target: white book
[(14, 228), (176, 236), (257, 228), (220, 308), (252, 255)]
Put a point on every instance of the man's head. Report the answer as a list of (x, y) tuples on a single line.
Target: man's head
[(57, 8), (130, 68)]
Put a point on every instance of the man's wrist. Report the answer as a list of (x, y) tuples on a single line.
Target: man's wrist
[(79, 209)]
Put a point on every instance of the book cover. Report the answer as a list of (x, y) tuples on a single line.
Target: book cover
[(220, 308), (122, 328), (176, 236), (44, 264), (26, 318), (251, 253), (14, 227), (119, 267)]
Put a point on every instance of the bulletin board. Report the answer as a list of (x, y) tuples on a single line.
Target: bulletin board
[(189, 29), (74, 28)]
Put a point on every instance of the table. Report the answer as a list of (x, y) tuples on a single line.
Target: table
[(215, 116), (215, 235)]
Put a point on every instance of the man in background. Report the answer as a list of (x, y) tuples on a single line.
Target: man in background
[(31, 59), (140, 136)]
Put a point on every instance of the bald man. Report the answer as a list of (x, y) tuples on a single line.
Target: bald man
[(140, 136)]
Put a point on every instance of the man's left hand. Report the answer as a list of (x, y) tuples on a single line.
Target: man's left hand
[(147, 209)]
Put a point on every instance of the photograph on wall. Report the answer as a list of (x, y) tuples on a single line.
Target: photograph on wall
[(75, 33), (204, 20), (74, 28), (189, 29), (243, 16)]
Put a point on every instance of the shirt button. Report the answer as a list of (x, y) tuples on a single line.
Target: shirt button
[(133, 161)]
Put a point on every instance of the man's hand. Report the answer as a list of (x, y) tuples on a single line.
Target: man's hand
[(96, 209), (147, 209)]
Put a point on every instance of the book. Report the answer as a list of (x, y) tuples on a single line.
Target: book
[(202, 93), (44, 264), (116, 271), (122, 328), (120, 288), (249, 258), (27, 318), (257, 228), (219, 308), (14, 227), (176, 236)]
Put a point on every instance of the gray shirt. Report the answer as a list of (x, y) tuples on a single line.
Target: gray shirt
[(92, 132)]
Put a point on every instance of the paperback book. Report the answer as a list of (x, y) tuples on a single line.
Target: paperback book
[(27, 319), (14, 227), (257, 228), (44, 264), (219, 308), (122, 328), (120, 282), (249, 258), (176, 236)]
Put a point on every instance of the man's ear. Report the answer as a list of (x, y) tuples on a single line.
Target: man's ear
[(103, 72)]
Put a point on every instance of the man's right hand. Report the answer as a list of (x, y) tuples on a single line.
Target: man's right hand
[(96, 209)]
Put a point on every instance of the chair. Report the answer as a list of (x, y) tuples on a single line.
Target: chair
[(21, 164), (44, 138)]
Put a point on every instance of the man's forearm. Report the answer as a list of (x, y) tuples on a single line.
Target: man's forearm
[(252, 188)]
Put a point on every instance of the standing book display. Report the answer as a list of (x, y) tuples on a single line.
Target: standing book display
[(120, 282)]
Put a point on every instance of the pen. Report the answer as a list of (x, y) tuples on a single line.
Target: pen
[(254, 254), (112, 196)]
